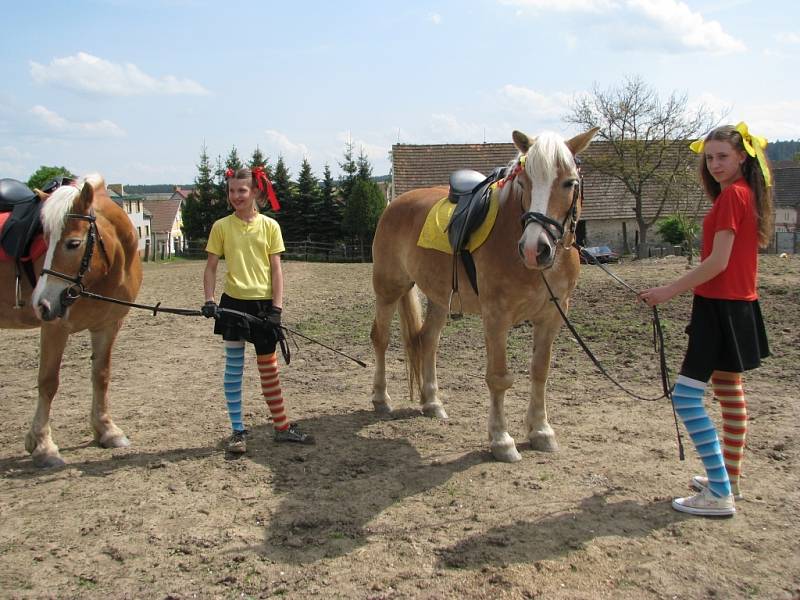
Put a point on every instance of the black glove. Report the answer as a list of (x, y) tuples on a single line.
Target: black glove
[(274, 316), (210, 309)]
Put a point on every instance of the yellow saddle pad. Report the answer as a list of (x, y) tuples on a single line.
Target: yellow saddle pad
[(434, 234)]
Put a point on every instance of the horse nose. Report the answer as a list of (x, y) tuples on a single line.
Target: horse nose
[(545, 252), (45, 311)]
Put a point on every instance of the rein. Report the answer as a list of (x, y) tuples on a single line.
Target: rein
[(658, 341)]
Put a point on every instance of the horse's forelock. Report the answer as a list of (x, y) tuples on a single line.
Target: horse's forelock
[(54, 211), (548, 153)]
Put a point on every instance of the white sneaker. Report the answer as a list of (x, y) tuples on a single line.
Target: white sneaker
[(700, 482), (706, 504)]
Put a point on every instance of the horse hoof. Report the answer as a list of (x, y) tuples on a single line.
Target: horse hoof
[(48, 461), (115, 441), (505, 450), (543, 442), (382, 409), (434, 410)]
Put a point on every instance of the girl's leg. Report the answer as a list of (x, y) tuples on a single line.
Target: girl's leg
[(688, 399), (234, 370), (729, 391), (271, 389)]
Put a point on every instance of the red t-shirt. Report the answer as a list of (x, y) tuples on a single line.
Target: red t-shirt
[(733, 209)]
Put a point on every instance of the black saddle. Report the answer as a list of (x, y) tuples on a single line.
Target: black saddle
[(23, 224), (471, 192)]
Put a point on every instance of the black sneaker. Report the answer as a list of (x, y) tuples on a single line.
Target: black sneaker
[(237, 443), (293, 434)]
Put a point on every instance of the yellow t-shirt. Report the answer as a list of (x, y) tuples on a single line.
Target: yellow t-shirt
[(246, 248)]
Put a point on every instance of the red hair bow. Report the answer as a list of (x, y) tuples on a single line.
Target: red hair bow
[(265, 185), (229, 173)]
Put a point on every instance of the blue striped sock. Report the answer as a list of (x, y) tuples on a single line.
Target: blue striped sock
[(688, 399), (234, 369)]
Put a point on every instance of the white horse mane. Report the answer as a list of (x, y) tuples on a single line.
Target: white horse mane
[(58, 205), (547, 153)]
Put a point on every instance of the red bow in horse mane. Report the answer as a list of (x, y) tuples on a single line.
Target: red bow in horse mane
[(264, 184)]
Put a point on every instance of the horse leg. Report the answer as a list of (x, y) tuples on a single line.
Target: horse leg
[(384, 311), (435, 320), (498, 379), (541, 435), (38, 441), (106, 433)]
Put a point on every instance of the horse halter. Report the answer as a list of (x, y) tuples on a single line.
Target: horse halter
[(73, 292)]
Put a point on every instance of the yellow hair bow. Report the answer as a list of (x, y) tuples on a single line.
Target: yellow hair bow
[(754, 145)]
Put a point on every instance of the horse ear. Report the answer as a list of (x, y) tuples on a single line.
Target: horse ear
[(521, 141), (581, 141), (86, 198)]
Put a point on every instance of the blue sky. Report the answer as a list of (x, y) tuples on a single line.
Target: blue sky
[(132, 89)]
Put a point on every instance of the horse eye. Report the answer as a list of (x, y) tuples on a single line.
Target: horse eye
[(570, 183), (72, 244)]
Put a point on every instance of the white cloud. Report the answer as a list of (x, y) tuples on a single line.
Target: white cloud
[(435, 18), (532, 103), (678, 23), (788, 37), (86, 73), (55, 123), (12, 153), (279, 144), (638, 24)]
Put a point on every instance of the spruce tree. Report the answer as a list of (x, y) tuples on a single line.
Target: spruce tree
[(260, 160), (362, 212), (364, 168), (350, 169), (308, 201), (287, 216), (198, 211), (330, 209)]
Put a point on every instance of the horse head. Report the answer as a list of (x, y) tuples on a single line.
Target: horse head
[(548, 176), (69, 223)]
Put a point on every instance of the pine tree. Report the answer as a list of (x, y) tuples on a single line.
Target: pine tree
[(364, 168), (233, 161), (350, 169), (287, 216), (308, 201), (200, 209), (260, 160), (361, 214), (330, 209)]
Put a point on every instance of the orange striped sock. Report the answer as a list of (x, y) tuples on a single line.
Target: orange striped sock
[(728, 389), (271, 389)]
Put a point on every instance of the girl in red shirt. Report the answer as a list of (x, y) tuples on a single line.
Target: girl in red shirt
[(726, 330)]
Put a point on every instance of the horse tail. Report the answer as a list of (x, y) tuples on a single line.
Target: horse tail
[(410, 327)]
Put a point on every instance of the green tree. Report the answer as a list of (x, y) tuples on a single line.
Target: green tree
[(308, 202), (330, 210), (44, 175), (287, 216), (350, 169), (647, 145), (201, 208), (362, 211), (259, 160), (364, 166)]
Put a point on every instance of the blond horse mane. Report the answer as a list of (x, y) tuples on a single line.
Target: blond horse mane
[(58, 205)]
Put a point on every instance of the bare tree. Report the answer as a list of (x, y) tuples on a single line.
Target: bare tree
[(647, 145)]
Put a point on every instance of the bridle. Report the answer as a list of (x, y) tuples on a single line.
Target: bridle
[(73, 292), (555, 231)]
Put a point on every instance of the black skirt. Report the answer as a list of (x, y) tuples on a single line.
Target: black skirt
[(234, 328), (724, 335)]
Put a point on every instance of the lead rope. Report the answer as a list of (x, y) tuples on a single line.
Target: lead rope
[(658, 341)]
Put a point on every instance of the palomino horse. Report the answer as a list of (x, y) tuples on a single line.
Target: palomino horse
[(91, 244), (537, 204)]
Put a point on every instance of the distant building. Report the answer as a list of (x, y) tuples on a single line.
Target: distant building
[(166, 222), (133, 205)]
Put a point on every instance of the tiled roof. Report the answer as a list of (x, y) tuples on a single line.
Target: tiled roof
[(163, 214), (787, 185), (416, 166)]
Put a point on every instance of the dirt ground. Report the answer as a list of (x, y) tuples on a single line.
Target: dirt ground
[(404, 507)]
